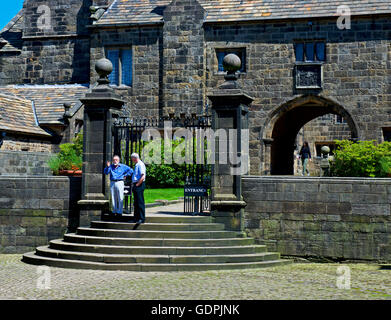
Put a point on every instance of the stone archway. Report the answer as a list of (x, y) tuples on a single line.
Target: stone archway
[(284, 123)]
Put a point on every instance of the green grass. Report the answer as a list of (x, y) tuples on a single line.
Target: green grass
[(151, 195)]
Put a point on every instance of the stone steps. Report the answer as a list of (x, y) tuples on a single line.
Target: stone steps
[(74, 238), (145, 258), (159, 226), (144, 267), (81, 247), (165, 243), (152, 234), (179, 219)]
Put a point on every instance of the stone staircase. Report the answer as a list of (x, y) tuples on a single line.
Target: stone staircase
[(164, 243)]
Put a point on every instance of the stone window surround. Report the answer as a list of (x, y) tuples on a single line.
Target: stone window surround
[(213, 63), (242, 52), (319, 144), (339, 119), (121, 47)]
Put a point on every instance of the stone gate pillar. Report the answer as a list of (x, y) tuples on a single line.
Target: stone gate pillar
[(99, 106), (229, 111)]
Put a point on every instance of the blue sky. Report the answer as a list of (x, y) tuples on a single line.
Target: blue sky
[(8, 10)]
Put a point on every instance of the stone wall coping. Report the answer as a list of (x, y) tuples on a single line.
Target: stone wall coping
[(317, 179), (56, 178), (27, 153)]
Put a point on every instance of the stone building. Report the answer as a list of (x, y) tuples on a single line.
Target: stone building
[(304, 64)]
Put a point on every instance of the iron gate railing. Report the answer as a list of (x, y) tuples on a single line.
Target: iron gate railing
[(198, 175), (127, 134)]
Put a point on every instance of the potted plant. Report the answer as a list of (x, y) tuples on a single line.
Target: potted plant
[(68, 162)]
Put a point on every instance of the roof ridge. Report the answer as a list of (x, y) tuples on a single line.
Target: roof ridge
[(133, 12), (13, 21)]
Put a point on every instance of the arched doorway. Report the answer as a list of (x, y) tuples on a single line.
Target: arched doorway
[(284, 124)]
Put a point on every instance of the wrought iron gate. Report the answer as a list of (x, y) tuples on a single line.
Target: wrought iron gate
[(127, 135), (198, 175)]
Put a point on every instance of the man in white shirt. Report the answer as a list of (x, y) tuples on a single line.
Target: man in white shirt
[(138, 182)]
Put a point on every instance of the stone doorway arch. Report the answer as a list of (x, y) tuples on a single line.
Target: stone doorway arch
[(283, 124)]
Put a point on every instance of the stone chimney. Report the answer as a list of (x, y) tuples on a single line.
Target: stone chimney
[(183, 62)]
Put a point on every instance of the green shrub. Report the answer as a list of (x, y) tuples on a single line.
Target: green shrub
[(361, 159), (70, 156), (162, 175), (165, 175)]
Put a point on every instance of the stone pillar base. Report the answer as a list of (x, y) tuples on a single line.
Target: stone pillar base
[(91, 210), (229, 212)]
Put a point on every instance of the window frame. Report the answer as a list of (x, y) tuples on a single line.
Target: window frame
[(386, 134), (337, 119), (120, 49), (243, 57), (319, 144), (315, 42)]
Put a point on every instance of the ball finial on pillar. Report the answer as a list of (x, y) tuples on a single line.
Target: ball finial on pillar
[(103, 67), (231, 64)]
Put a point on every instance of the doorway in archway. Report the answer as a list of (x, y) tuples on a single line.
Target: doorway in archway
[(322, 131), (288, 123)]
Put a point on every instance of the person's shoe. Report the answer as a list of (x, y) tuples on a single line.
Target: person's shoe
[(140, 222)]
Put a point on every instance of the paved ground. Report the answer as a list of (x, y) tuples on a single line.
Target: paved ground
[(296, 281)]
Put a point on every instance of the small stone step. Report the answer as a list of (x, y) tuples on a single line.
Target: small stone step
[(176, 259), (74, 238), (179, 219), (79, 247), (159, 226), (157, 267), (151, 234)]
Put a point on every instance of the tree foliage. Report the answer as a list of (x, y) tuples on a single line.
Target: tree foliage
[(361, 159)]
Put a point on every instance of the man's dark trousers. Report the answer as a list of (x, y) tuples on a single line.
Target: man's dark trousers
[(139, 203)]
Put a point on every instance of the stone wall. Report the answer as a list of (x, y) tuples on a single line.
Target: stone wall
[(58, 53), (175, 63), (355, 74), (18, 142), (143, 96), (338, 218), (17, 163), (183, 57), (35, 210)]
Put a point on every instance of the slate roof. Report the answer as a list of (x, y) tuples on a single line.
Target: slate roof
[(11, 34), (151, 11), (48, 99), (17, 115)]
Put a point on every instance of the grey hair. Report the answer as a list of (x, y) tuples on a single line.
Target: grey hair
[(135, 155)]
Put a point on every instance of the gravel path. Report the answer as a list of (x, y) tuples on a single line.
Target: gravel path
[(295, 281)]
